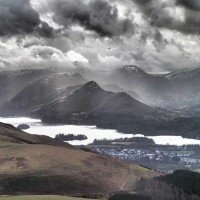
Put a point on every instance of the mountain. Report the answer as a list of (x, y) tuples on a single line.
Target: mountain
[(175, 90), (116, 88), (152, 89), (39, 92), (88, 99), (66, 97), (32, 164), (186, 85), (89, 104), (135, 78), (12, 82)]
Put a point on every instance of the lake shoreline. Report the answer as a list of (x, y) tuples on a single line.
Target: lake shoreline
[(92, 132)]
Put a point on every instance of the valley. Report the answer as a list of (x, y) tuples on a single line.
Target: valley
[(112, 156)]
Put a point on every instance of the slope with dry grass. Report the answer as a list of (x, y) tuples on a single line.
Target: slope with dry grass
[(31, 164), (40, 197)]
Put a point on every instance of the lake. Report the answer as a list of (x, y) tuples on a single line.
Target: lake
[(92, 132)]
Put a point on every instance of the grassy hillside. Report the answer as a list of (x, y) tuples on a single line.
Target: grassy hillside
[(31, 164), (35, 197), (10, 135)]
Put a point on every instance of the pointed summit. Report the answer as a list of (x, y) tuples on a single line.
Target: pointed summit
[(92, 85), (133, 69)]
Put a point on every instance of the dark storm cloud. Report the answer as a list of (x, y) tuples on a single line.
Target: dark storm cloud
[(157, 16), (159, 42), (158, 36), (18, 17), (190, 4), (97, 15)]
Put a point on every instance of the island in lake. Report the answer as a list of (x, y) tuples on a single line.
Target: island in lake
[(70, 137)]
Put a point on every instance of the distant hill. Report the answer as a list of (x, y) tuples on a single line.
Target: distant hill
[(175, 89), (150, 87), (32, 164), (39, 92), (116, 88), (12, 82)]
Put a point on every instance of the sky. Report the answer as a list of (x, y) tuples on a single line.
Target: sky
[(158, 36)]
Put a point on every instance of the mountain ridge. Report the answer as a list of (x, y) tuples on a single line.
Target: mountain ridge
[(91, 98)]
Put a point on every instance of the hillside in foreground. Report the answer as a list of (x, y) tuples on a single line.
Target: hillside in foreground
[(31, 164), (40, 197)]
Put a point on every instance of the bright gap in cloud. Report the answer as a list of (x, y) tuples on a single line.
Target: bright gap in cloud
[(76, 57)]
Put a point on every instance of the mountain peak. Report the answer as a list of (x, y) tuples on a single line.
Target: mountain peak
[(91, 85), (132, 69)]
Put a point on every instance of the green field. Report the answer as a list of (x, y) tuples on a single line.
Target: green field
[(35, 197)]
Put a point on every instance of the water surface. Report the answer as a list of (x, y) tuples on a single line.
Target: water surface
[(92, 132)]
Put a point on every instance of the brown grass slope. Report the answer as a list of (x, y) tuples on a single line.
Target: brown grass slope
[(31, 164)]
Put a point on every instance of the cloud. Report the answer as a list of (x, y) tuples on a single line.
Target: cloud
[(178, 15), (76, 57), (190, 4), (156, 35), (18, 17), (97, 15), (158, 41), (46, 52)]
